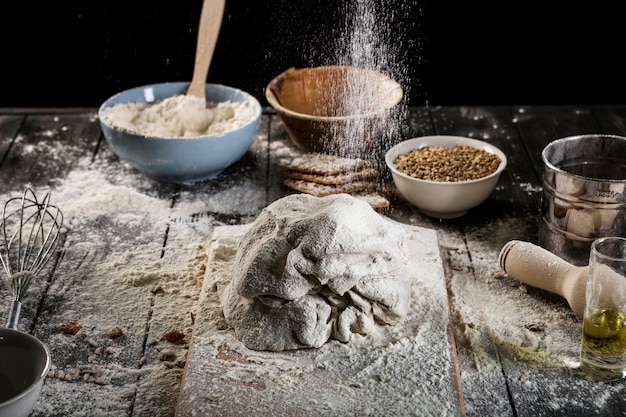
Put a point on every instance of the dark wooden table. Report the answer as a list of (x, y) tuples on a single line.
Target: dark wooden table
[(516, 346)]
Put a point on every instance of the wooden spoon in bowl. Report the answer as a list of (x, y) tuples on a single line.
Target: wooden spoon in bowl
[(193, 114)]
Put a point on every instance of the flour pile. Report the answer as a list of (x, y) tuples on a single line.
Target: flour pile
[(179, 116), (311, 268)]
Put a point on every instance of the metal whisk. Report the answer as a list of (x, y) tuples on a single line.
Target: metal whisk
[(31, 232)]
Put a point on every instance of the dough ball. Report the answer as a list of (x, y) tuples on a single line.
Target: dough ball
[(310, 269)]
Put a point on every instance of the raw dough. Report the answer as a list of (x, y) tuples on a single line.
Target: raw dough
[(313, 268)]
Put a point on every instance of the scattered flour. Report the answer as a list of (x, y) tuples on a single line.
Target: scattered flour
[(179, 116), (513, 338), (115, 273)]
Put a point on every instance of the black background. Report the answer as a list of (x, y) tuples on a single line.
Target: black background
[(78, 53)]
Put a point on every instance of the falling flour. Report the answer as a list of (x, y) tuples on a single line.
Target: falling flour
[(179, 116), (372, 38)]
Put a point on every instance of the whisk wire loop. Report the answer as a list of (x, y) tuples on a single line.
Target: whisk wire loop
[(31, 233)]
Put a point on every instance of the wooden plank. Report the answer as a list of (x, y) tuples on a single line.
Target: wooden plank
[(387, 372), (46, 148), (112, 259), (235, 196), (92, 362), (534, 335), (539, 126), (469, 291), (118, 222), (484, 386), (612, 120), (175, 286), (517, 359), (9, 125)]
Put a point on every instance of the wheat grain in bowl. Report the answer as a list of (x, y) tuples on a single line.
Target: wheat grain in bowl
[(445, 176), (448, 163)]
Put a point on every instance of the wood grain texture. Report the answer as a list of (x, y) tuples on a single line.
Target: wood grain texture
[(506, 368), (403, 369)]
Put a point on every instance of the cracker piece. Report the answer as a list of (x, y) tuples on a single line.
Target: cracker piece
[(322, 190), (374, 199), (336, 179), (322, 164)]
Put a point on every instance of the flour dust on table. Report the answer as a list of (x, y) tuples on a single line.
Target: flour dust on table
[(115, 263)]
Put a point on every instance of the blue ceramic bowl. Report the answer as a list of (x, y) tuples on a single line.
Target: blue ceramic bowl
[(181, 160)]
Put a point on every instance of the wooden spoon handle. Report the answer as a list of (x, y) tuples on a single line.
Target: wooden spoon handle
[(210, 23)]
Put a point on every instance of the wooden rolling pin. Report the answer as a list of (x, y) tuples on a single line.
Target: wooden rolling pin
[(541, 268)]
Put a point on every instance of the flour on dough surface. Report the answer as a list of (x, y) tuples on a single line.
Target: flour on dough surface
[(310, 269)]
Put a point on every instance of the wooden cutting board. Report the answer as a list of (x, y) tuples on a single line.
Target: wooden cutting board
[(407, 369)]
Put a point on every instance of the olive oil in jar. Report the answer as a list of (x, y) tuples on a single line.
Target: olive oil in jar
[(603, 349)]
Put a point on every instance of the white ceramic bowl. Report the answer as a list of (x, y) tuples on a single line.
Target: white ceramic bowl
[(444, 200), (182, 160)]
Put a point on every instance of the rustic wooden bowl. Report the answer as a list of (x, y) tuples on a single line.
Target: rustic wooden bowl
[(339, 110)]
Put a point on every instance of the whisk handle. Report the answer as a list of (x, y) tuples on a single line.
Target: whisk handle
[(14, 314)]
